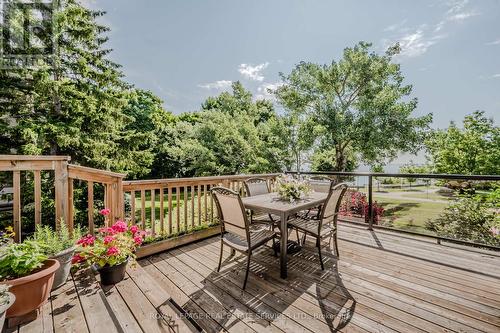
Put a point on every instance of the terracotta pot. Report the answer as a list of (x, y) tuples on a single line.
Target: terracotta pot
[(32, 291), (112, 274), (5, 307), (62, 273)]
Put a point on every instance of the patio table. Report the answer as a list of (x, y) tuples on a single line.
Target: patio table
[(272, 204)]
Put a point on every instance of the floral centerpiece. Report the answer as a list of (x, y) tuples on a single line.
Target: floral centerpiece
[(110, 250), (291, 189)]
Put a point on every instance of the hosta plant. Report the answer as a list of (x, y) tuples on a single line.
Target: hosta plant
[(20, 259)]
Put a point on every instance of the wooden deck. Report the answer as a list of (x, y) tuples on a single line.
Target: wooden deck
[(383, 282)]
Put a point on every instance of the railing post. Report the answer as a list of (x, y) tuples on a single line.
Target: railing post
[(61, 191), (370, 202), (70, 218), (90, 206), (17, 206)]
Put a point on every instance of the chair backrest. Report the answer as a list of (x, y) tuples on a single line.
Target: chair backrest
[(256, 186), (330, 209), (231, 211), (320, 184)]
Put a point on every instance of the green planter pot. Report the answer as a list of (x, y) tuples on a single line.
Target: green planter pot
[(62, 272)]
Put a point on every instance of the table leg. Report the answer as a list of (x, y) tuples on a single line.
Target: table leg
[(283, 244)]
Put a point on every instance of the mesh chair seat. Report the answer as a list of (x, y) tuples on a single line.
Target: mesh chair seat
[(236, 230), (323, 224), (310, 225), (257, 239)]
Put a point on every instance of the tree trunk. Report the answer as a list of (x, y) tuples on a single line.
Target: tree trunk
[(339, 159), (297, 161)]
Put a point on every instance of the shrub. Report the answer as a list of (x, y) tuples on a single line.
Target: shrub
[(17, 260), (356, 204), (468, 219)]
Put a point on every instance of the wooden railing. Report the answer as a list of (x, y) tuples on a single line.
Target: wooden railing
[(178, 204), (172, 206), (113, 192), (64, 175), (36, 164)]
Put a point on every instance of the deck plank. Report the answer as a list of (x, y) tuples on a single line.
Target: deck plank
[(167, 278), (67, 312), (471, 266), (468, 253), (318, 311), (145, 313), (187, 269), (211, 264), (412, 266), (159, 298), (318, 288), (383, 282), (42, 324), (444, 321), (122, 312), (421, 278), (94, 304)]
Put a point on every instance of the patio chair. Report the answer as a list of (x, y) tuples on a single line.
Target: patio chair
[(320, 184), (257, 186), (326, 224), (235, 227)]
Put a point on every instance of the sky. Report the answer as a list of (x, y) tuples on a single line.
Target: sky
[(186, 50)]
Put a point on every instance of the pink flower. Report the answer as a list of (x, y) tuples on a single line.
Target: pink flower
[(119, 226), (108, 239), (105, 211), (138, 240), (86, 240), (495, 231), (77, 258), (133, 229), (113, 251), (107, 230)]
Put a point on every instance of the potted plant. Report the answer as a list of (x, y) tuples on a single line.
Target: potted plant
[(6, 300), (59, 245), (30, 275), (109, 251)]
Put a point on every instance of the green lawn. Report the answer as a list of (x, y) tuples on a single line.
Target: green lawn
[(191, 215), (409, 215)]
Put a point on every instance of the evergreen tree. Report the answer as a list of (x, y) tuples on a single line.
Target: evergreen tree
[(73, 103)]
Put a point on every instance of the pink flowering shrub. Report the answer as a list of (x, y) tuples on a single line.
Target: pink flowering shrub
[(111, 246), (356, 204)]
